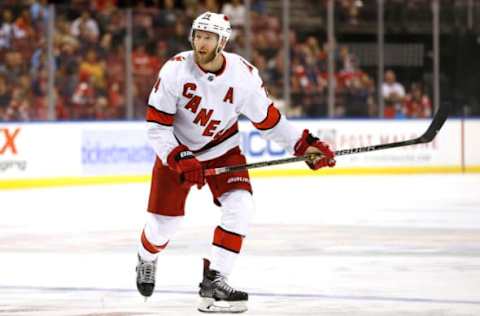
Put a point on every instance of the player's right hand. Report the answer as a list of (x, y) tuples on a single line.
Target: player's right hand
[(309, 144), (182, 160)]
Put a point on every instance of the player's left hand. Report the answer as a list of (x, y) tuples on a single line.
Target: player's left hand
[(184, 162), (309, 144)]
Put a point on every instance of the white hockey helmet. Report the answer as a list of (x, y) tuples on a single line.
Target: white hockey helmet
[(213, 22)]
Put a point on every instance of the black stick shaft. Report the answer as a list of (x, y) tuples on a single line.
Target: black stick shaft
[(436, 124)]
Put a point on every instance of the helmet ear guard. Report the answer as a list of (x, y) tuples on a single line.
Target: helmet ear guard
[(222, 42)]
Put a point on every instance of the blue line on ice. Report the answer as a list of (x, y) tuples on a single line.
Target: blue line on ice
[(290, 295)]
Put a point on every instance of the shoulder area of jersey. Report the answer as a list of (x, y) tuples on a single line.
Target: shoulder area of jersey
[(177, 61), (241, 64)]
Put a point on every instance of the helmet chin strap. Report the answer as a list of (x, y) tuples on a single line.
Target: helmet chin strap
[(221, 45)]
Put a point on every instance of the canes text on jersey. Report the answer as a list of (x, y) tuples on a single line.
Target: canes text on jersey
[(203, 115)]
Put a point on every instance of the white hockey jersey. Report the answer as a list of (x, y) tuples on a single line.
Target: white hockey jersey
[(200, 110)]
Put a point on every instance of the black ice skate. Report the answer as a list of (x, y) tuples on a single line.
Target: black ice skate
[(216, 296), (146, 277)]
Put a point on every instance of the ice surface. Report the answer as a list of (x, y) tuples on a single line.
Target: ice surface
[(327, 245)]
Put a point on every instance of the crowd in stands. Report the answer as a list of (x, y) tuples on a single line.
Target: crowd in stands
[(90, 60)]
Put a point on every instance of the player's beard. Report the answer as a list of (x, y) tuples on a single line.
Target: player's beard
[(204, 59)]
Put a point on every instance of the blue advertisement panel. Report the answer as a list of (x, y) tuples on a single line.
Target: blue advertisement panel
[(256, 147), (114, 152)]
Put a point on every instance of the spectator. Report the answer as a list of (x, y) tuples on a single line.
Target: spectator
[(357, 97), (300, 85), (39, 59), (144, 70), (5, 95), (62, 32), (39, 88), (39, 13), (6, 30), (68, 63), (417, 103), (18, 109), (82, 101), (143, 23), (116, 101), (23, 26), (85, 27), (25, 86), (24, 34), (160, 57), (116, 66), (141, 61), (104, 48), (261, 62), (346, 62), (275, 70), (369, 84), (15, 66), (93, 70), (393, 95), (116, 23), (102, 110), (313, 46), (39, 110)]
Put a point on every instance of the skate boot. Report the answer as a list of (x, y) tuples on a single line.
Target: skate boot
[(216, 296), (146, 277)]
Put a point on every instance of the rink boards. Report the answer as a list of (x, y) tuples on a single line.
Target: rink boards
[(46, 154)]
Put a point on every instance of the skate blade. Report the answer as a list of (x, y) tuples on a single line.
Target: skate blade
[(209, 305)]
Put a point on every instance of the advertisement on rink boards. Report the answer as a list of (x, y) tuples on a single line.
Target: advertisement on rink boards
[(111, 149), (50, 150), (38, 150), (120, 151), (10, 159), (444, 150)]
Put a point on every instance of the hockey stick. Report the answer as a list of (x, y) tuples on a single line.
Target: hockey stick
[(436, 124)]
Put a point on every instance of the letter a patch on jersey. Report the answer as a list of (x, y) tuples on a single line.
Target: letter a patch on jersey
[(229, 96)]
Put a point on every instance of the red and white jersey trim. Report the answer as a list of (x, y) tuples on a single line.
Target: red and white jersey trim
[(271, 120), (157, 116)]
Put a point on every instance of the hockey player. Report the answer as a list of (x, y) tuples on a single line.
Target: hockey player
[(192, 118)]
